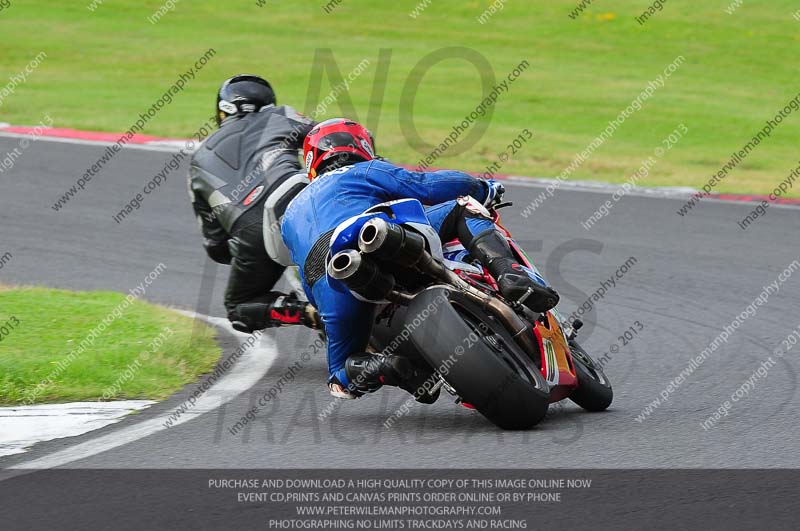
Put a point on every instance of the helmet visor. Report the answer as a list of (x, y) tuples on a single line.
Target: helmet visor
[(340, 139)]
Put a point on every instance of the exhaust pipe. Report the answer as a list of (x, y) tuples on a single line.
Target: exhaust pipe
[(391, 242), (361, 275), (344, 265)]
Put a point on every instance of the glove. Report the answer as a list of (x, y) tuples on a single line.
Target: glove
[(495, 195), (218, 251)]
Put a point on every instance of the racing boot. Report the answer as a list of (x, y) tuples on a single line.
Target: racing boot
[(491, 249), (283, 310), (369, 372), (421, 383)]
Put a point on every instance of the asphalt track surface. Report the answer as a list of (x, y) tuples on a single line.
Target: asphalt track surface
[(693, 275)]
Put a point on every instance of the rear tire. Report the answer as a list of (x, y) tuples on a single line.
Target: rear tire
[(594, 391), (477, 356)]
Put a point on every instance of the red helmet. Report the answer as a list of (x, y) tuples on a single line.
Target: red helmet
[(338, 142)]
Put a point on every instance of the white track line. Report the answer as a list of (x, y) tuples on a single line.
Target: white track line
[(23, 426), (248, 370)]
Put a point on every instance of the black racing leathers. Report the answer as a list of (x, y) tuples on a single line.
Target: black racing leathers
[(231, 175)]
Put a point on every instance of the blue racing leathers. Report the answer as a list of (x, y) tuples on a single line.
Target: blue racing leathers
[(346, 192)]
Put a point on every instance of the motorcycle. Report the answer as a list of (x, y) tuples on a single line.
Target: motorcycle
[(444, 311)]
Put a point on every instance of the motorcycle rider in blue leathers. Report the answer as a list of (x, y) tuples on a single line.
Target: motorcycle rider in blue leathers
[(347, 179)]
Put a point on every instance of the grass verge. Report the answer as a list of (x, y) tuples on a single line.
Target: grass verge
[(107, 62), (63, 346)]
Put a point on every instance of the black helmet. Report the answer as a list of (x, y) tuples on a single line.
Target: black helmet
[(242, 94)]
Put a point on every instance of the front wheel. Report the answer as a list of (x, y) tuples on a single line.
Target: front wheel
[(476, 356), (594, 391)]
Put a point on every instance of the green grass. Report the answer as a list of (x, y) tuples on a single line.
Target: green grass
[(103, 68), (122, 362)]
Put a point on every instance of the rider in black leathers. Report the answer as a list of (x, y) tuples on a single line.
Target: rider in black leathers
[(249, 163)]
